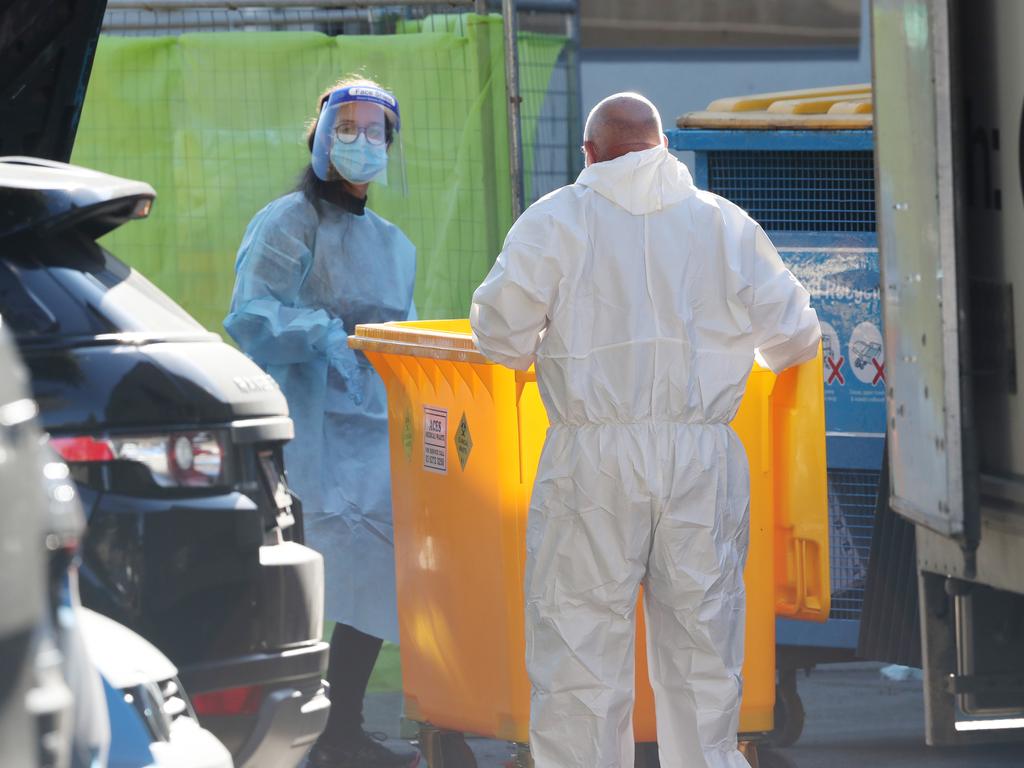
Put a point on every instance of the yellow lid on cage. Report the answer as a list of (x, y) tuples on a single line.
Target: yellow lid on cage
[(842, 107)]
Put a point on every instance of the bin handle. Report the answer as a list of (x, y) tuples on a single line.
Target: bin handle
[(803, 600)]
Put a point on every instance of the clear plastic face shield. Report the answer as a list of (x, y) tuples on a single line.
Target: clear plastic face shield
[(358, 138)]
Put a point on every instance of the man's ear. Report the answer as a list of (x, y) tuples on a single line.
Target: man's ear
[(588, 153), (664, 140)]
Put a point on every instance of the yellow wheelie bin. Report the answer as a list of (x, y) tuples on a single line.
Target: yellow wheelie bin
[(466, 436)]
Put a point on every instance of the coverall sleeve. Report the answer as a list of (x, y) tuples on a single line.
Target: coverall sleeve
[(268, 318), (511, 307), (786, 329)]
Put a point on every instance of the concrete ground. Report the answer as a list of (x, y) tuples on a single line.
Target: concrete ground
[(855, 719)]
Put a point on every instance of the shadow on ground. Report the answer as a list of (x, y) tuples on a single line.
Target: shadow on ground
[(855, 719)]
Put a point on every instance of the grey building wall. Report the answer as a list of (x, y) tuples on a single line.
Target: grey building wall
[(715, 23), (687, 79)]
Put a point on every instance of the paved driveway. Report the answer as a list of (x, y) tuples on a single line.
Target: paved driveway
[(855, 719)]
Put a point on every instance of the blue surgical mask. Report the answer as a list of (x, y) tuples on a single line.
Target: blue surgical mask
[(360, 162)]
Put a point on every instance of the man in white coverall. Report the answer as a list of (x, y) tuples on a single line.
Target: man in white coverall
[(642, 300)]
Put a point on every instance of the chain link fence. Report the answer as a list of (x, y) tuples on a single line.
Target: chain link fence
[(209, 101), (555, 92)]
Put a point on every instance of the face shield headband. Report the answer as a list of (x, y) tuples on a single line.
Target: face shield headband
[(370, 94)]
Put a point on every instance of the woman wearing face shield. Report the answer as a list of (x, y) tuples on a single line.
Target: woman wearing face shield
[(312, 265)]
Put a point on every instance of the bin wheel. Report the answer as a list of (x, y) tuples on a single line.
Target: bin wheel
[(789, 712), (445, 749), (522, 758), (647, 755)]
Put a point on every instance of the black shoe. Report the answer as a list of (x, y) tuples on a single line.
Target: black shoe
[(364, 751)]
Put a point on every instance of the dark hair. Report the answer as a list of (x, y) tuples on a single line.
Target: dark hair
[(312, 186)]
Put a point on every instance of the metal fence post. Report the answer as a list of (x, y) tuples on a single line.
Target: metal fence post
[(575, 122), (515, 134)]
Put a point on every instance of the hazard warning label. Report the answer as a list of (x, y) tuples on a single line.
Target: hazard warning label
[(407, 435), (463, 441), (435, 439)]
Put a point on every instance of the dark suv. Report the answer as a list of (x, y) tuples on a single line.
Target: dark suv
[(175, 440)]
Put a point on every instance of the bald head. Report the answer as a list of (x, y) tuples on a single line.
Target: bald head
[(621, 123)]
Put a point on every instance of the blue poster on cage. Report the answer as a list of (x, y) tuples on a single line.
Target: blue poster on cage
[(844, 287)]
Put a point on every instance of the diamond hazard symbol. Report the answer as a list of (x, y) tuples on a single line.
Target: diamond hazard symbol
[(407, 435), (463, 441)]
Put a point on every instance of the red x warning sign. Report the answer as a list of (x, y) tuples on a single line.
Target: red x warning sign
[(836, 366), (879, 371)]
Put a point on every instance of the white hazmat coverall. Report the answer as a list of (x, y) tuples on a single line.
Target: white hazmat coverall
[(641, 299)]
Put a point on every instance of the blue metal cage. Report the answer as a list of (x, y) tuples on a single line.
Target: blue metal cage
[(798, 191), (852, 495), (813, 192)]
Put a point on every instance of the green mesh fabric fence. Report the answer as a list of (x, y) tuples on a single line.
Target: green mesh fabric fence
[(216, 123)]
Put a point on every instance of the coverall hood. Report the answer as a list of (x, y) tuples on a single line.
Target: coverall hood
[(640, 182)]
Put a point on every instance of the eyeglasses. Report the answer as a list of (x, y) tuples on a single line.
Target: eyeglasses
[(347, 133)]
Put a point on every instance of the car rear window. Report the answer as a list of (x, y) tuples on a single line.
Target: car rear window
[(70, 287)]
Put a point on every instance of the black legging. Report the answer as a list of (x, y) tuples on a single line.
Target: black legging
[(353, 654)]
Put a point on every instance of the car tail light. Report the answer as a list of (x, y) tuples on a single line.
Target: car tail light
[(181, 459), (245, 700), (142, 208), (82, 449)]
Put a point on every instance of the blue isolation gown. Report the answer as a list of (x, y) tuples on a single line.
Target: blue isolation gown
[(304, 279)]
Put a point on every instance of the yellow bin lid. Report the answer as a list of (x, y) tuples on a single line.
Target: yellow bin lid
[(841, 107), (436, 339)]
